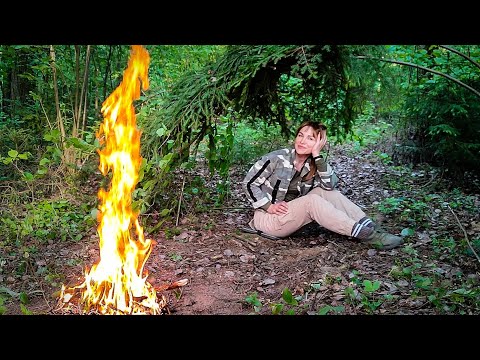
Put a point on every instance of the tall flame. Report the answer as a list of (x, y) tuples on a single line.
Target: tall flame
[(115, 284)]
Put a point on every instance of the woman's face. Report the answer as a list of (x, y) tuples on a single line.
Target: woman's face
[(305, 140)]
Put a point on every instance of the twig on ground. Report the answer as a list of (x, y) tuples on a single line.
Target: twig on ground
[(464, 233), (431, 180), (248, 243), (44, 297), (180, 201), (340, 246)]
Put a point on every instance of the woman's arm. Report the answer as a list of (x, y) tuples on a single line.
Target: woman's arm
[(256, 176), (326, 177)]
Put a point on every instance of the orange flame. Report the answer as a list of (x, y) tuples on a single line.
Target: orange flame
[(115, 284)]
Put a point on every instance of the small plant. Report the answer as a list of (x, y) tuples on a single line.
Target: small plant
[(288, 307), (369, 300), (363, 292), (175, 257), (252, 299), (178, 293), (171, 232), (384, 157)]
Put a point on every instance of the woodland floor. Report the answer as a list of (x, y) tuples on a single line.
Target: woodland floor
[(223, 266)]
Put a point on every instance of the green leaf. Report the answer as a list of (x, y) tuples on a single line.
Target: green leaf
[(165, 212), (44, 161), (8, 291), (79, 144), (23, 298), (369, 286), (324, 310), (407, 232), (463, 291), (24, 309), (338, 309), (277, 309), (28, 176), (288, 297), (53, 135), (13, 153)]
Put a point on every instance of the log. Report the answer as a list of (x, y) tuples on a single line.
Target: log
[(170, 286)]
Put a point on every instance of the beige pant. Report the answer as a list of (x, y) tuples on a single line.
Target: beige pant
[(330, 209)]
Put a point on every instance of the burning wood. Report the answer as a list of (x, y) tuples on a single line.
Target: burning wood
[(173, 285), (117, 284)]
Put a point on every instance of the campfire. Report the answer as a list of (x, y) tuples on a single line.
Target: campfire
[(118, 284)]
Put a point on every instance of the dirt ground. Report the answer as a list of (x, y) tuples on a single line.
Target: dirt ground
[(228, 272)]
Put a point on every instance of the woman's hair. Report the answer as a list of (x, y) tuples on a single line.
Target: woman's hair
[(316, 126)]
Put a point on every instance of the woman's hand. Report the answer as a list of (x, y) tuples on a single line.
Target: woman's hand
[(278, 208), (320, 143)]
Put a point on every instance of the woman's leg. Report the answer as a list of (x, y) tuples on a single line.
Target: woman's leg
[(313, 207), (304, 210), (341, 202)]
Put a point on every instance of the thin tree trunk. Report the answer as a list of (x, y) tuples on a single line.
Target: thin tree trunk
[(84, 95), (57, 101), (107, 70), (76, 106), (68, 152)]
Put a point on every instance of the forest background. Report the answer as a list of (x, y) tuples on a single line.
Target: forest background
[(221, 107)]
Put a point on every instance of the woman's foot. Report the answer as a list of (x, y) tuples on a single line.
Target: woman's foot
[(383, 240)]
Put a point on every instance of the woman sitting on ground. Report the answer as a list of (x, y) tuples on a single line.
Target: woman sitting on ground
[(292, 187)]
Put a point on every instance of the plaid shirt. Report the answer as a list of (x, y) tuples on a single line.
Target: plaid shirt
[(268, 179)]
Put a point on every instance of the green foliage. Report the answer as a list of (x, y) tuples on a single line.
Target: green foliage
[(22, 297), (417, 208), (170, 62), (20, 140), (171, 232), (368, 131), (362, 292), (251, 141), (448, 294), (160, 146), (47, 220), (441, 116), (289, 305), (219, 156), (384, 157)]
